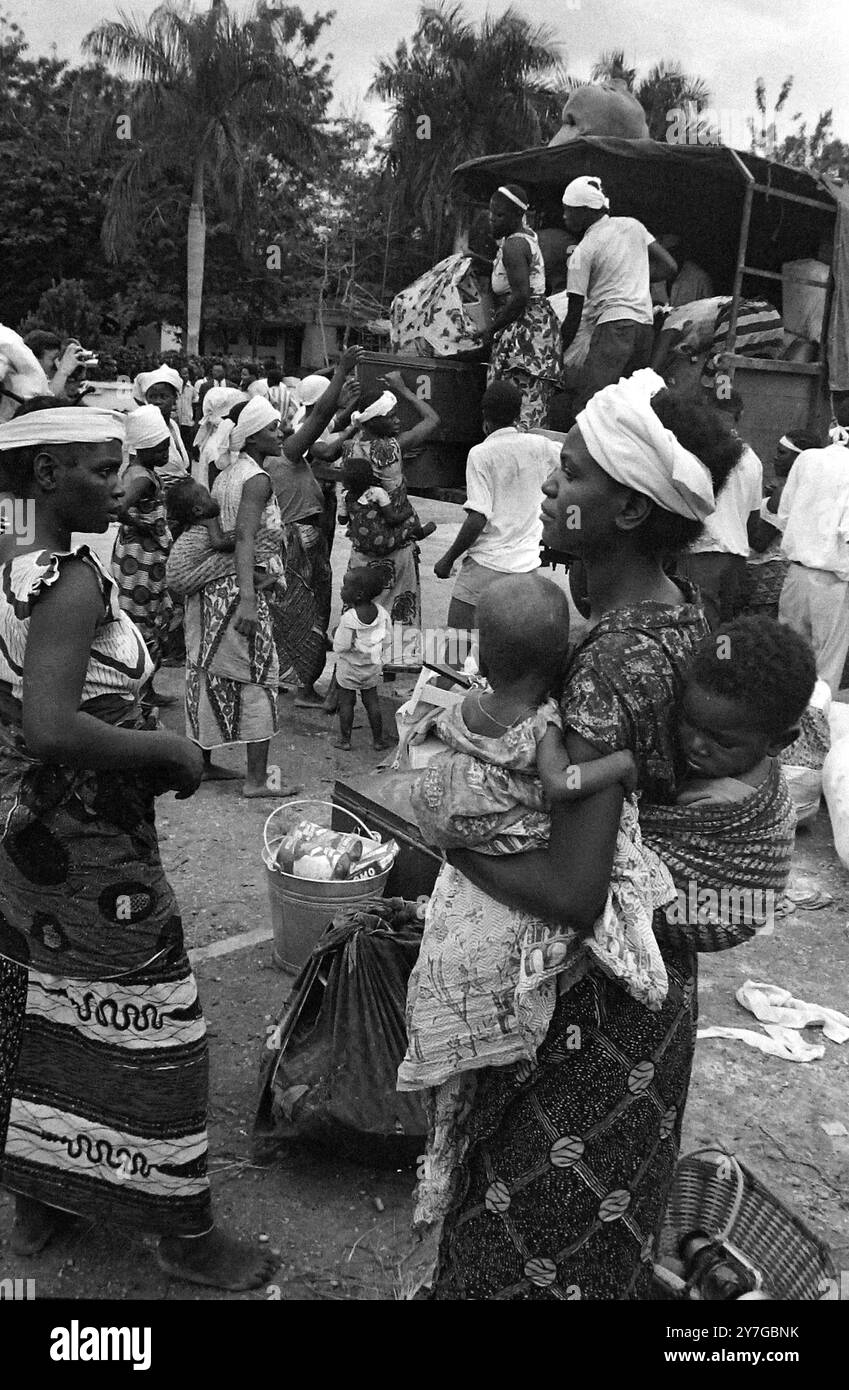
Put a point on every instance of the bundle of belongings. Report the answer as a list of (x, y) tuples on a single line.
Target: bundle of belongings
[(311, 851), (443, 311), (759, 332), (328, 1068), (21, 373)]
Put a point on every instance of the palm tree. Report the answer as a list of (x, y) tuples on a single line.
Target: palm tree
[(611, 66), (667, 88), (765, 137), (212, 95), (458, 93)]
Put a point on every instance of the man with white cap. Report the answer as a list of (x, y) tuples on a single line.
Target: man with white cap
[(612, 266), (161, 388)]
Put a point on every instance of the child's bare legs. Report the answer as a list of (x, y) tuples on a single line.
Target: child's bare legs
[(346, 717), (371, 703)]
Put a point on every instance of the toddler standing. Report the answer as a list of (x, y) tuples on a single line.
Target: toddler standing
[(359, 642)]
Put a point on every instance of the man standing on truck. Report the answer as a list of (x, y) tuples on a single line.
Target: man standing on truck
[(502, 530), (612, 267)]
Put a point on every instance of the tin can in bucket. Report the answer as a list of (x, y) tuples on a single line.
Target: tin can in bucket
[(301, 908)]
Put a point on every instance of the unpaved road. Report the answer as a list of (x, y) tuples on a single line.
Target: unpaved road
[(342, 1229)]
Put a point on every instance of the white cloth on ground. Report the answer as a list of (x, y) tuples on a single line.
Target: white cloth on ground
[(772, 1004), (776, 1042)]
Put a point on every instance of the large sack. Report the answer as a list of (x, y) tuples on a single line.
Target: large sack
[(329, 1068), (440, 314)]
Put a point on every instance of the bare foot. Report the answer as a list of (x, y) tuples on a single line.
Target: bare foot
[(381, 744), (213, 772), (343, 743), (220, 1261), (35, 1225), (254, 792)]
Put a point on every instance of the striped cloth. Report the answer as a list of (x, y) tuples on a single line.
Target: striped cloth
[(729, 862)]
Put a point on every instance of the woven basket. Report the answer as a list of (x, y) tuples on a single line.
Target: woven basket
[(714, 1192)]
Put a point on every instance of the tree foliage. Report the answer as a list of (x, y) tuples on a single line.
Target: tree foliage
[(458, 92)]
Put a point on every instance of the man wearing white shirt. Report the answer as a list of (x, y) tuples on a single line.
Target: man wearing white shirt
[(716, 562), (502, 531), (813, 516), (613, 265)]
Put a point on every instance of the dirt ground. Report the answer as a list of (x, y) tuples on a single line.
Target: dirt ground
[(342, 1229)]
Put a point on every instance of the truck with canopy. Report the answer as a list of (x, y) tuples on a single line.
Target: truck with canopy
[(741, 217)]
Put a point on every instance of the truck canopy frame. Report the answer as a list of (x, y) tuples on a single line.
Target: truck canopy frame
[(739, 215)]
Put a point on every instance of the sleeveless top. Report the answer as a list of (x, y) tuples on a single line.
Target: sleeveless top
[(118, 663), (227, 491), (500, 282)]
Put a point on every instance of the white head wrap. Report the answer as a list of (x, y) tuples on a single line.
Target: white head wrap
[(218, 401), (787, 443), (839, 434), (66, 424), (310, 390), (145, 380), (257, 415), (511, 197), (585, 192), (146, 428), (628, 440), (382, 406)]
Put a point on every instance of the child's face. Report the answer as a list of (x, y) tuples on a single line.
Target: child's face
[(719, 736)]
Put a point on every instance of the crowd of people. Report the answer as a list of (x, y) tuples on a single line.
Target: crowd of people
[(555, 909)]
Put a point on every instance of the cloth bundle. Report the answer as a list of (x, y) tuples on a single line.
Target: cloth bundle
[(192, 563), (759, 333), (729, 862), (442, 312)]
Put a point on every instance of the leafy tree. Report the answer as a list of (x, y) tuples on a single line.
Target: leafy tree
[(458, 92), (665, 88), (213, 97)]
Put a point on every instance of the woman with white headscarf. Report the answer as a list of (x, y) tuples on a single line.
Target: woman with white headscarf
[(524, 332), (144, 540), (104, 1067), (637, 478), (162, 388), (211, 439), (232, 665)]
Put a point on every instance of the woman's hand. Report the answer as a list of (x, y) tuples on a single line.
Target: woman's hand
[(246, 620), (350, 358), (393, 381), (183, 769)]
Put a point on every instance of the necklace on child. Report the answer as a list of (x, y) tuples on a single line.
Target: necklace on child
[(524, 714)]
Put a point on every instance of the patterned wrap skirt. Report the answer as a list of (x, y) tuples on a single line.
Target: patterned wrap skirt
[(527, 352), (103, 1053), (570, 1160), (231, 680), (301, 613)]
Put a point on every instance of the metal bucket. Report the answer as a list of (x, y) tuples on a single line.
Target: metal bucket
[(301, 908)]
